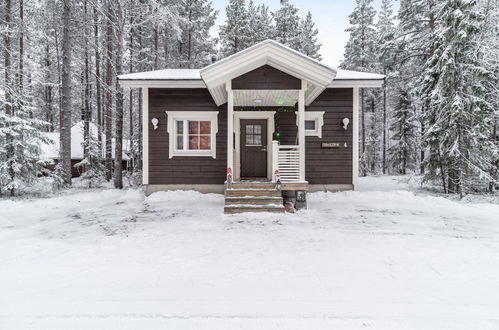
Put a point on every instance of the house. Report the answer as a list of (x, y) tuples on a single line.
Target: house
[(264, 115), (50, 150)]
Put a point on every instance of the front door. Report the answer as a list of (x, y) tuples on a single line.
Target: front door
[(253, 148)]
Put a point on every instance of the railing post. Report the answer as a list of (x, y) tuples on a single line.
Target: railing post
[(275, 159), (301, 128), (230, 125)]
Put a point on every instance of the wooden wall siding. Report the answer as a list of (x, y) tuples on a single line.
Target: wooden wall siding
[(266, 77), (184, 170), (331, 166), (324, 166)]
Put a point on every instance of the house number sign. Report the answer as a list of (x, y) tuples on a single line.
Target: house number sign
[(328, 145)]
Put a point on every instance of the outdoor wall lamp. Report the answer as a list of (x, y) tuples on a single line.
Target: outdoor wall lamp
[(346, 121), (155, 122)]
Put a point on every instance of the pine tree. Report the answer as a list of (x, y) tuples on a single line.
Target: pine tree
[(360, 55), (197, 47), (235, 33), (403, 128), (287, 25), (459, 119), (66, 106), (385, 31), (307, 40), (264, 28), (413, 42), (92, 165)]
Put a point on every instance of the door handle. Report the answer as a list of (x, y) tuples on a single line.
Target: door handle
[(264, 148)]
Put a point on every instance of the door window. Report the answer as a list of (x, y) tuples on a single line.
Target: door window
[(253, 135)]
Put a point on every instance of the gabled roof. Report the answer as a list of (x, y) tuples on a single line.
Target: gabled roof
[(268, 52), (214, 77)]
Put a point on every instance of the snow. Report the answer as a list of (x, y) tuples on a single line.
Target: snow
[(166, 74), (193, 74), (387, 256), (357, 75), (51, 150)]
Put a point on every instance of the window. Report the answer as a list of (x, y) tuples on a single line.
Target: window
[(192, 133), (253, 135), (310, 125), (314, 120)]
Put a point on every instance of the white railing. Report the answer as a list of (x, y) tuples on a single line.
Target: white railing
[(286, 159)]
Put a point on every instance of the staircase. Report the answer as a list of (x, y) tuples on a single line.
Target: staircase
[(253, 197)]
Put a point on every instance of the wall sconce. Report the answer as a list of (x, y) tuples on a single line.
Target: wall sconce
[(155, 122), (346, 121)]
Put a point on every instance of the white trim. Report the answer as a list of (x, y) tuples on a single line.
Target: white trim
[(301, 127), (355, 136), (238, 115), (318, 117), (145, 135), (192, 115), (351, 83), (230, 126), (162, 83)]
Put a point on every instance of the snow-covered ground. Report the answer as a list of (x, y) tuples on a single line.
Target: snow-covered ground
[(383, 257)]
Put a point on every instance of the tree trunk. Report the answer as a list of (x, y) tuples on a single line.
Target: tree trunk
[(130, 112), (97, 76), (109, 97), (8, 92), (21, 47), (384, 126), (363, 120), (118, 150), (49, 111), (86, 104), (65, 129)]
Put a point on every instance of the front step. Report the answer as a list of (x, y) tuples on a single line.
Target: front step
[(262, 200), (241, 192), (232, 209), (253, 185), (253, 197)]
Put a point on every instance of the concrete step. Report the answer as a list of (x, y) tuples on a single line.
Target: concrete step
[(262, 200), (233, 209), (253, 192)]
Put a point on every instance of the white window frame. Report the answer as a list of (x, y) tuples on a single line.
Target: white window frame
[(318, 117), (173, 116)]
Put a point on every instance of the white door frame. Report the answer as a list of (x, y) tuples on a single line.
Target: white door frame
[(269, 116)]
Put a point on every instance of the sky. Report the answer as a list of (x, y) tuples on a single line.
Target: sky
[(330, 17)]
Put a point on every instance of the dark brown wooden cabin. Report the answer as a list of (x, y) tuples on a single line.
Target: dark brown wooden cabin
[(266, 114)]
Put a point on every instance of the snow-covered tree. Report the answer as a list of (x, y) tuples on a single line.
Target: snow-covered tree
[(459, 120), (403, 129), (385, 31), (197, 17), (360, 55), (264, 26), (235, 33), (287, 24), (92, 165), (307, 38)]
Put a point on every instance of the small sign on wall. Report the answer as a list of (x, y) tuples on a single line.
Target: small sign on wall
[(329, 145)]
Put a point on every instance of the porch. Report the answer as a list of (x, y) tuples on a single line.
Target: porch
[(265, 171), (256, 150)]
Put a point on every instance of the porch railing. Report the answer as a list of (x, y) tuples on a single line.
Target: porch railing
[(286, 159)]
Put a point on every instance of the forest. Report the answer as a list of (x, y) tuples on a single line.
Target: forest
[(436, 116)]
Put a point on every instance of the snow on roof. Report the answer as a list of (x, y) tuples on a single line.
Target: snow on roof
[(357, 75), (194, 74), (272, 43), (166, 74), (51, 150)]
